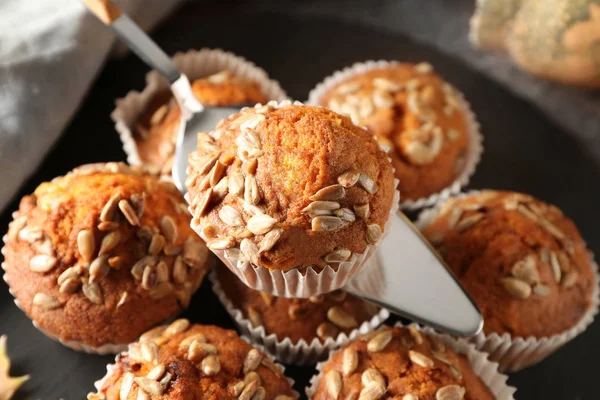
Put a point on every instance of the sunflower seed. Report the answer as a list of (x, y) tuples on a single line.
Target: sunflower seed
[(544, 254), (267, 298), (149, 351), (105, 226), (374, 233), (70, 285), (252, 376), (269, 240), (261, 224), (367, 183), (516, 287), (349, 361), (372, 375), (161, 290), (70, 273), (341, 318), (86, 245), (380, 341), (541, 290), (203, 201), (345, 214), (362, 211), (168, 228), (162, 272), (450, 392), (236, 184), (156, 373), (372, 392), (526, 270), (179, 270), (216, 173), (250, 251), (329, 193), (122, 300), (326, 329), (138, 268), (570, 278), (423, 68), (129, 212), (165, 380), (254, 316), (210, 365), (126, 385), (333, 383), (205, 163), (109, 242), (555, 265), (138, 203), (16, 226), (251, 194), (337, 256), (109, 209), (326, 223), (415, 334), (317, 208), (178, 326), (156, 244), (194, 253), (420, 359), (144, 233), (284, 397), (252, 360), (198, 350), (469, 221), (348, 178), (149, 278), (249, 391), (221, 243), (230, 216), (99, 268), (45, 301), (186, 343), (42, 263), (455, 215), (410, 396), (149, 386), (93, 292)]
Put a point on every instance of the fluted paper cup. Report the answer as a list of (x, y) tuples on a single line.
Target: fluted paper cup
[(301, 352), (485, 369), (475, 138), (516, 353)]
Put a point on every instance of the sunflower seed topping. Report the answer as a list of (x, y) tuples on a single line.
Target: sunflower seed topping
[(211, 365), (86, 245), (348, 178), (45, 301), (269, 240), (349, 361), (99, 268), (198, 350), (226, 242), (415, 334), (526, 270), (326, 223), (187, 342), (149, 351), (541, 290), (516, 288), (251, 194), (250, 251), (194, 253), (380, 341), (149, 386), (329, 193), (345, 214), (252, 360), (469, 221), (570, 278), (203, 201), (254, 316), (261, 224), (70, 285), (450, 392), (109, 242), (420, 359), (230, 216), (362, 211), (107, 226), (179, 270), (177, 326), (42, 263), (156, 373), (129, 212), (333, 383), (326, 329), (410, 396), (337, 256), (110, 208), (367, 183), (249, 390), (341, 318), (161, 290), (374, 233), (126, 385), (557, 273), (372, 375), (423, 68), (372, 392), (93, 292)]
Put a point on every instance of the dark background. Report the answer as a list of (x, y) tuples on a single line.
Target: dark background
[(524, 151)]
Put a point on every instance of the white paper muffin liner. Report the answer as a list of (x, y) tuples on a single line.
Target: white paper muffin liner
[(110, 367), (300, 353), (475, 138), (295, 282), (480, 364), (516, 353), (194, 64)]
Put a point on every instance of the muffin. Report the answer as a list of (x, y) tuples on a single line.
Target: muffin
[(399, 363), (298, 331), (523, 262), (289, 188), (184, 361), (155, 133), (418, 118), (102, 254)]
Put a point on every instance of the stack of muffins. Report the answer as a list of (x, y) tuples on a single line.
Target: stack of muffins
[(293, 199)]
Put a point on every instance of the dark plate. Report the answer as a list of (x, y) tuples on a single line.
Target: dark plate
[(523, 151)]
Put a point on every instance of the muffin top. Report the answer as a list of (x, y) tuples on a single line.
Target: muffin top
[(416, 117), (523, 262), (289, 186), (102, 254), (399, 363), (318, 317), (155, 132), (183, 361)]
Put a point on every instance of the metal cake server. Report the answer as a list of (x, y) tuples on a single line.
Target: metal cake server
[(406, 275)]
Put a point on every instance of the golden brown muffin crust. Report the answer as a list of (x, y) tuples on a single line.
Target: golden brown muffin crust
[(318, 317), (523, 262), (276, 186), (396, 362), (155, 132), (415, 116), (57, 274), (193, 362)]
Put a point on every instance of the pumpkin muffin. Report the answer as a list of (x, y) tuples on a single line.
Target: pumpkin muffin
[(318, 317), (290, 186), (523, 261), (155, 133), (399, 363), (102, 254), (184, 361), (416, 117)]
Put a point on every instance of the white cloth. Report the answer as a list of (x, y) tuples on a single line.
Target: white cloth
[(50, 53)]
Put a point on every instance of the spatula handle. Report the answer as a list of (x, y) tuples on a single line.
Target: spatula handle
[(135, 38)]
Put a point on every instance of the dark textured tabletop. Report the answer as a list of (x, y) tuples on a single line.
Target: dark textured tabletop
[(523, 151)]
